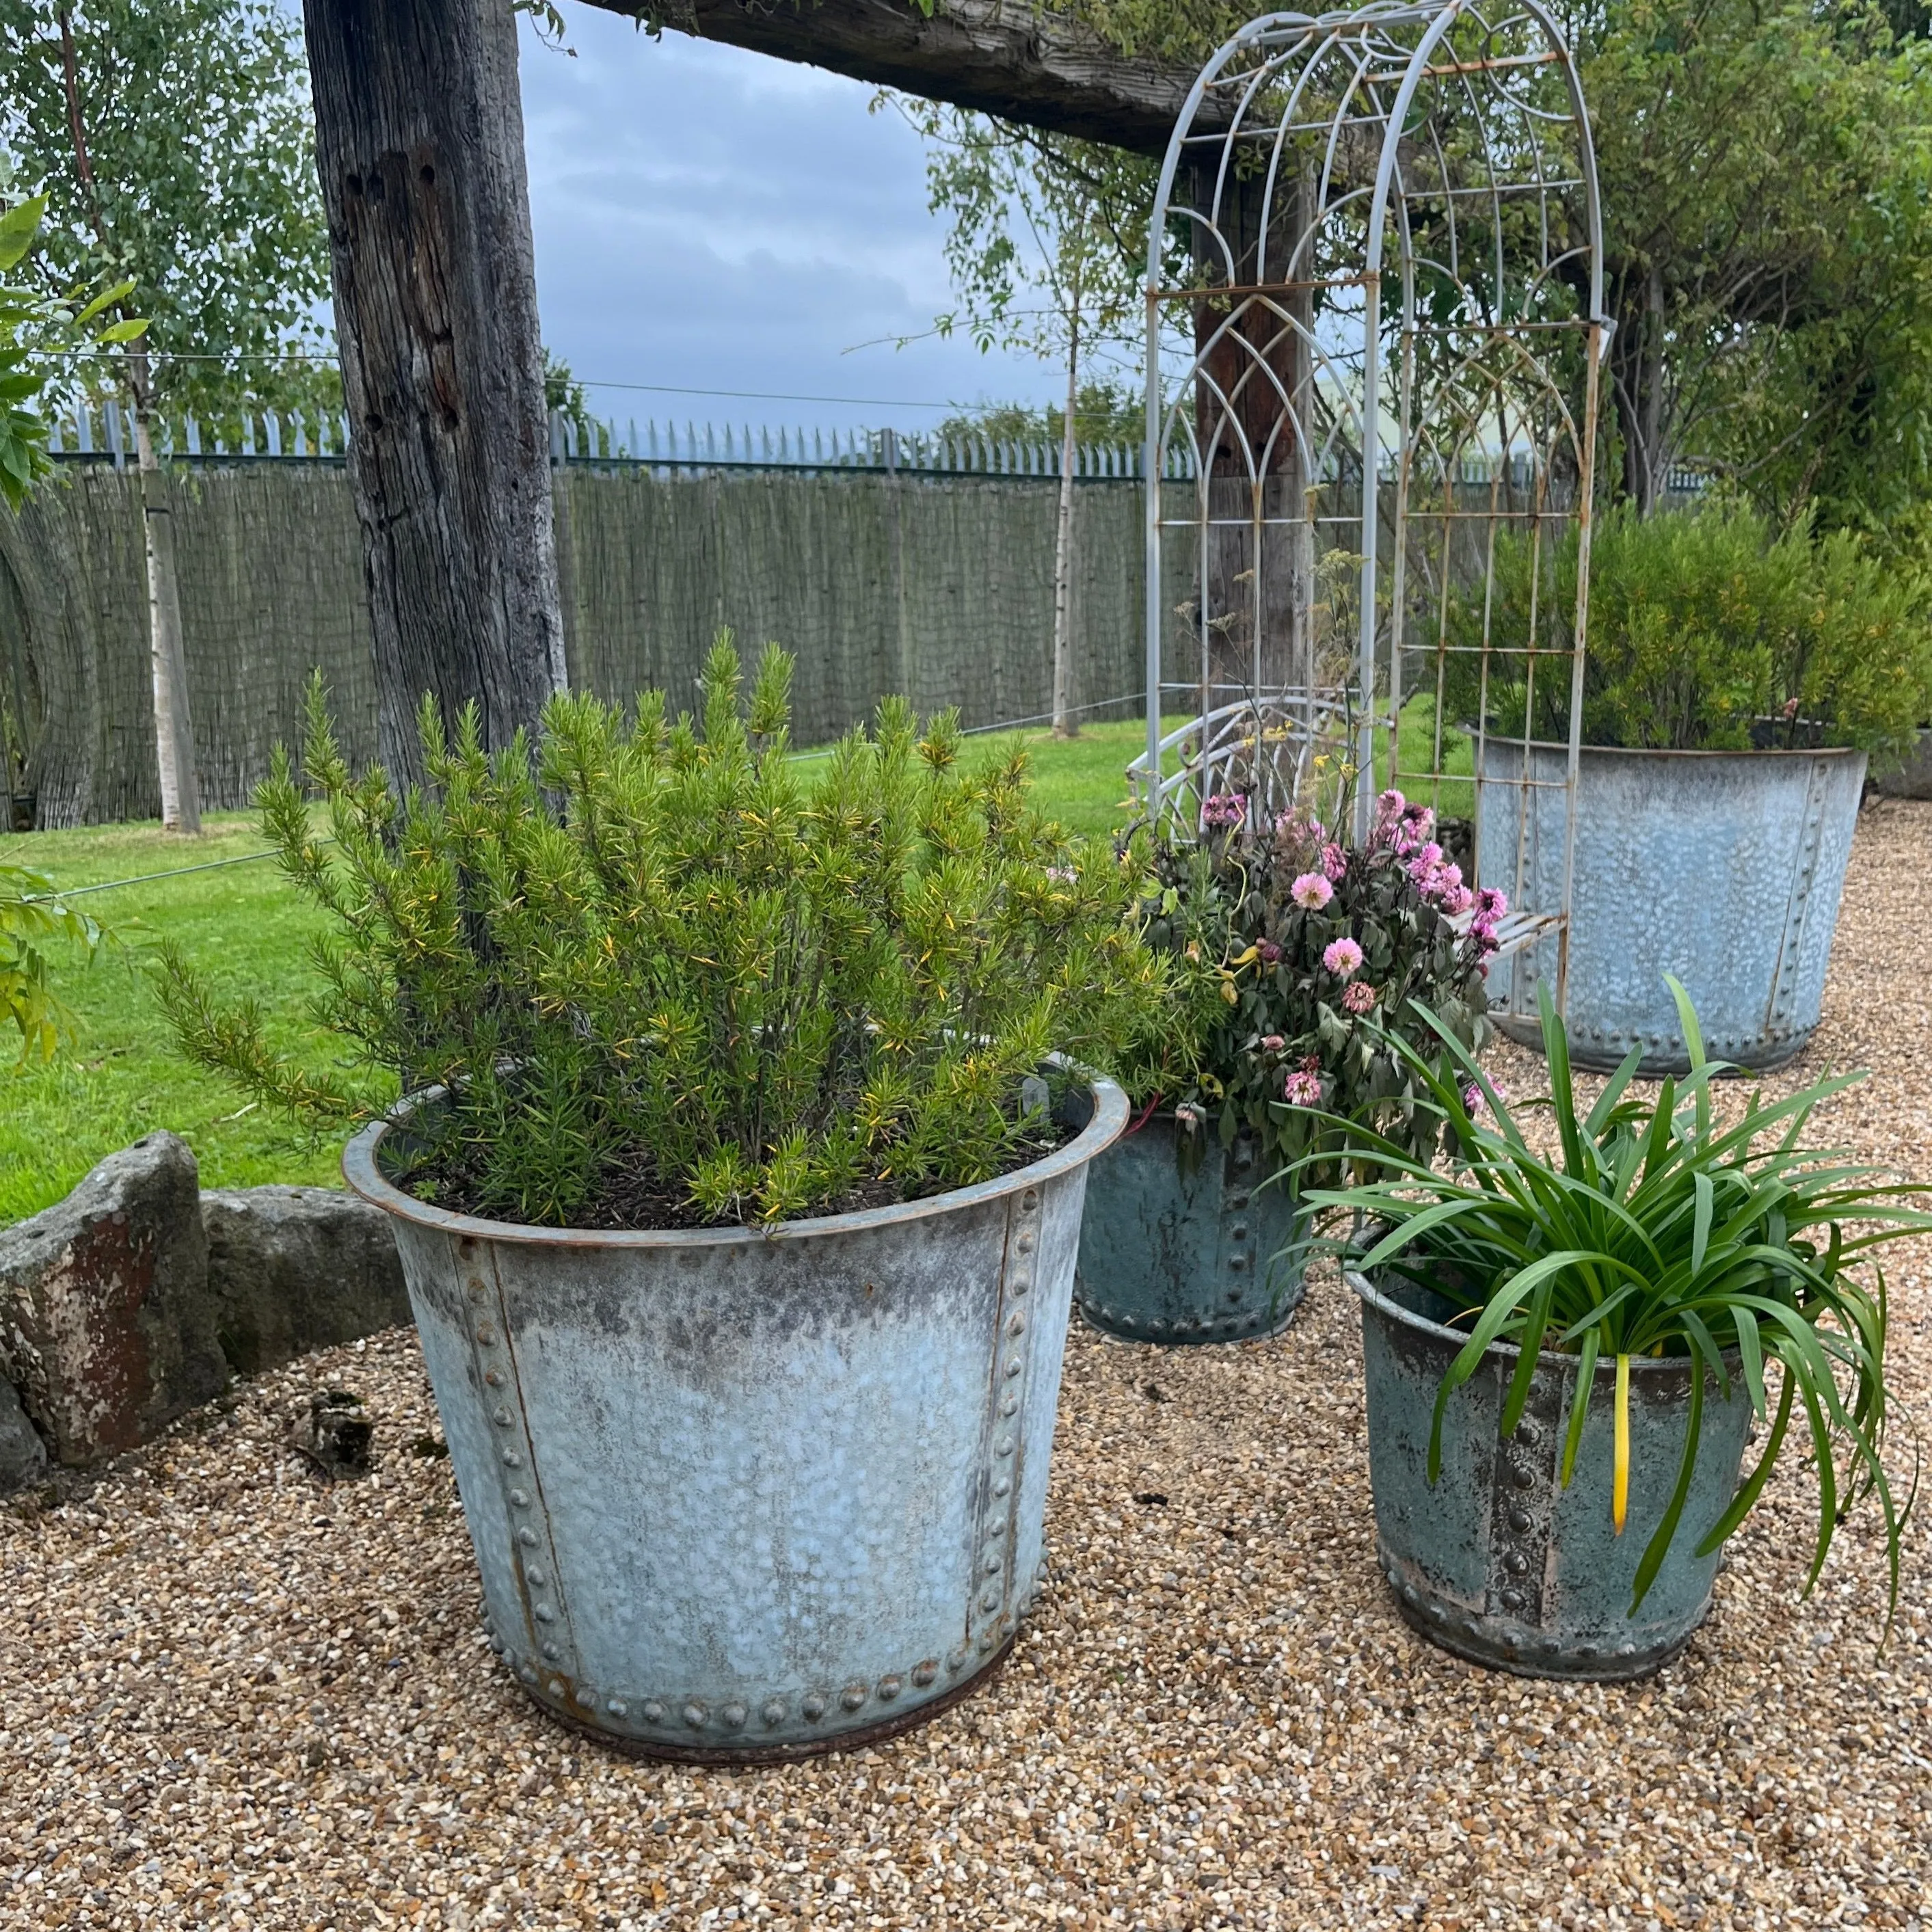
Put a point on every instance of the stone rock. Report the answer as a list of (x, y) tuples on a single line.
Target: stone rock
[(23, 1456), (106, 1329), (291, 1269)]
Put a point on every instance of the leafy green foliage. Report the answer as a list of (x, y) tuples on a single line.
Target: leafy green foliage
[(1105, 413), (31, 914), (43, 339), (663, 955), (1655, 1228), (1261, 1033), (1708, 630), (192, 176)]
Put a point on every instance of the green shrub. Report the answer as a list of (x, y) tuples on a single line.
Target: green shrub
[(1296, 960), (1707, 632), (669, 964)]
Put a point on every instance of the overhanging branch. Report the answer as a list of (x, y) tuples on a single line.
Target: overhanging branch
[(1003, 57)]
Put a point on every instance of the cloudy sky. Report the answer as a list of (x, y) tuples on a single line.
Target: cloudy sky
[(711, 220)]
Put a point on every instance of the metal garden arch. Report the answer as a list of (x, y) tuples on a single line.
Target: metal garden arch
[(1381, 230)]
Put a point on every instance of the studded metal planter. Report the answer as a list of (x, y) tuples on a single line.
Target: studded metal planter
[(737, 1495), (1496, 1561), (1206, 1257), (1724, 868)]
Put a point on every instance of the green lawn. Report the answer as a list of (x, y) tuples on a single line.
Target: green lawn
[(245, 927)]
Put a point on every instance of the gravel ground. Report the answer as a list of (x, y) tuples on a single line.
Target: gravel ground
[(230, 1696)]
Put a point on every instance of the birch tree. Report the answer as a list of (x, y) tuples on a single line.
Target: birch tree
[(1047, 249), (172, 140)]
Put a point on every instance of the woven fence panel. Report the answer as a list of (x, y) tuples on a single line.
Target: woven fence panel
[(938, 587)]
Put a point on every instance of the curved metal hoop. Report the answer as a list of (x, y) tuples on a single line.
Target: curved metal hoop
[(1393, 284)]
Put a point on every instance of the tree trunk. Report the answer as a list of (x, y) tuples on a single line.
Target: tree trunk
[(1065, 725), (174, 727), (419, 144), (1260, 564)]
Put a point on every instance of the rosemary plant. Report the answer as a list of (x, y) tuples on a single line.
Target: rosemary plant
[(664, 971), (1655, 1228)]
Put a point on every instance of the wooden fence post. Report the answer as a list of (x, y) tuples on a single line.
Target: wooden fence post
[(419, 144)]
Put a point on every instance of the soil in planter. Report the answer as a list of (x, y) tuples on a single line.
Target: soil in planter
[(634, 1196)]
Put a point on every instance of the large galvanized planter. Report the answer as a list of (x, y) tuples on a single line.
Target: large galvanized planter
[(1723, 868), (1495, 1560), (1209, 1256), (739, 1495)]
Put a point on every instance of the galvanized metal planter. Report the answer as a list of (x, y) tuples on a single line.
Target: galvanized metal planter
[(1724, 868), (739, 1495), (1209, 1257), (1495, 1561)]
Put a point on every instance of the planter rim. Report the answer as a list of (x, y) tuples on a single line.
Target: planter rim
[(361, 1169), (1515, 744), (1640, 1365)]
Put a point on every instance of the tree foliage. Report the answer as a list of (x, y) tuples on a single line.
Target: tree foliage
[(192, 175), (43, 339)]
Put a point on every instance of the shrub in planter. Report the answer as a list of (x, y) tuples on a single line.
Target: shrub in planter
[(1564, 1351), (737, 1186), (1735, 681), (1295, 958)]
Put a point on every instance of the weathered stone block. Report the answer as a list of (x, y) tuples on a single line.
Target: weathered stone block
[(23, 1456), (290, 1269), (106, 1329)]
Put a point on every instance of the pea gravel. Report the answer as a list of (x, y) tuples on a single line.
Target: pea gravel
[(231, 1696)]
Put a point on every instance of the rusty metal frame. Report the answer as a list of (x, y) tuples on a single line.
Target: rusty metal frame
[(1426, 253)]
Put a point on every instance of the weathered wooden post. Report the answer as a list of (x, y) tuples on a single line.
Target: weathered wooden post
[(419, 143)]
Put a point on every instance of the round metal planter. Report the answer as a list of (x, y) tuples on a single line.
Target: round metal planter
[(742, 1496), (1723, 868), (1211, 1256), (1494, 1560)]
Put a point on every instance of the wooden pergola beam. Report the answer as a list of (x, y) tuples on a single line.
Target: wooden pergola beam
[(1005, 57)]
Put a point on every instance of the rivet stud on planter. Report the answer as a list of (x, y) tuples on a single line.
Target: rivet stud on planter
[(740, 1496)]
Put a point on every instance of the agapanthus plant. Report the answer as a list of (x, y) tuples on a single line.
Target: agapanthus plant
[(1297, 956), (1653, 1227)]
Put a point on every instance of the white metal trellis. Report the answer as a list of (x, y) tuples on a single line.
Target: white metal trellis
[(1383, 532)]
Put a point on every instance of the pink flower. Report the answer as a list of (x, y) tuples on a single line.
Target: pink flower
[(1491, 903), (1343, 958), (1334, 862), (1477, 1101), (1302, 1089), (1224, 809), (1268, 952), (1062, 875), (1272, 1042), (1359, 996), (1424, 860), (1311, 892), (1457, 900)]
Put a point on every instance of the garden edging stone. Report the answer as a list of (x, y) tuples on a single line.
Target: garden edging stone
[(134, 1299), (294, 1269), (23, 1456), (106, 1327)]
